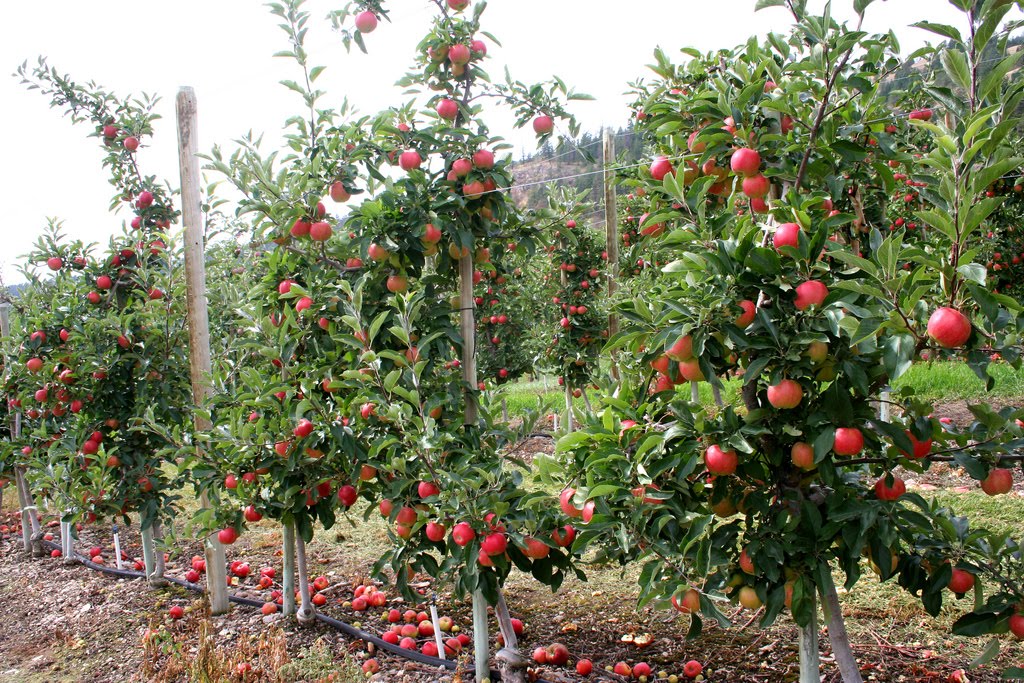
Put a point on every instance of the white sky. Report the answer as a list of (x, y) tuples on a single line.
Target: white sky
[(224, 48)]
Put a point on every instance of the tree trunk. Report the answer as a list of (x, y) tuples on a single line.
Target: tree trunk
[(837, 634), (67, 542), (810, 658), (306, 613), (156, 577), (509, 661), (288, 570), (29, 517)]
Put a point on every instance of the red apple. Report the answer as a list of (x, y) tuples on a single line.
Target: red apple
[(690, 601), (483, 159), (228, 535), (999, 480), (747, 316), (431, 235), (410, 159), (719, 461), (494, 544), (397, 284), (787, 235), (756, 186), (885, 492), (961, 581), (543, 124), (366, 22), (377, 252), (661, 167), (745, 161), (786, 394), (338, 192), (565, 501), (810, 293), (1017, 625), (564, 537), (448, 109), (463, 534), (949, 327), (320, 231), (426, 489), (458, 54), (848, 441), (802, 455)]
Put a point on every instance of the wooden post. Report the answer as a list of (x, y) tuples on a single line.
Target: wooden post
[(611, 235), (569, 422), (29, 517), (468, 329), (198, 318), (469, 379)]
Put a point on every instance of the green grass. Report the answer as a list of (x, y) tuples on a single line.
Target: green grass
[(954, 380), (931, 381)]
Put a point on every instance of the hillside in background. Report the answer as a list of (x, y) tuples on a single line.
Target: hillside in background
[(579, 162), (575, 162)]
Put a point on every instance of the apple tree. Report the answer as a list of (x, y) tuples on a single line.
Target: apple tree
[(125, 364), (769, 161), (367, 386)]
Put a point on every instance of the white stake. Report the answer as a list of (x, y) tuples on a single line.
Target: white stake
[(117, 548), (437, 627), (480, 636)]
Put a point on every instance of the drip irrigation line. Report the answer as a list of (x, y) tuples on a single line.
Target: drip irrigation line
[(336, 624)]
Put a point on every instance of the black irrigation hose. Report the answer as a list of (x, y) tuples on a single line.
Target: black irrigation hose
[(336, 624)]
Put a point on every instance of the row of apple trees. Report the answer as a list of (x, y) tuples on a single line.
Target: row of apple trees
[(815, 306), (101, 344)]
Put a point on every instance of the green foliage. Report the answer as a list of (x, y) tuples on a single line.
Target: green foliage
[(828, 308)]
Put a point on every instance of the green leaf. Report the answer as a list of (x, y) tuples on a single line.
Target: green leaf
[(989, 23), (764, 4), (987, 655), (990, 174), (954, 61), (898, 354), (944, 30), (972, 624), (994, 78), (974, 272), (975, 468)]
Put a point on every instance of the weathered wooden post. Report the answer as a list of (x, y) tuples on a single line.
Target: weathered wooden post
[(469, 379), (198, 318), (611, 236)]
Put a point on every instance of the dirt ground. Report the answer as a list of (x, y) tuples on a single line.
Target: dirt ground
[(63, 623)]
